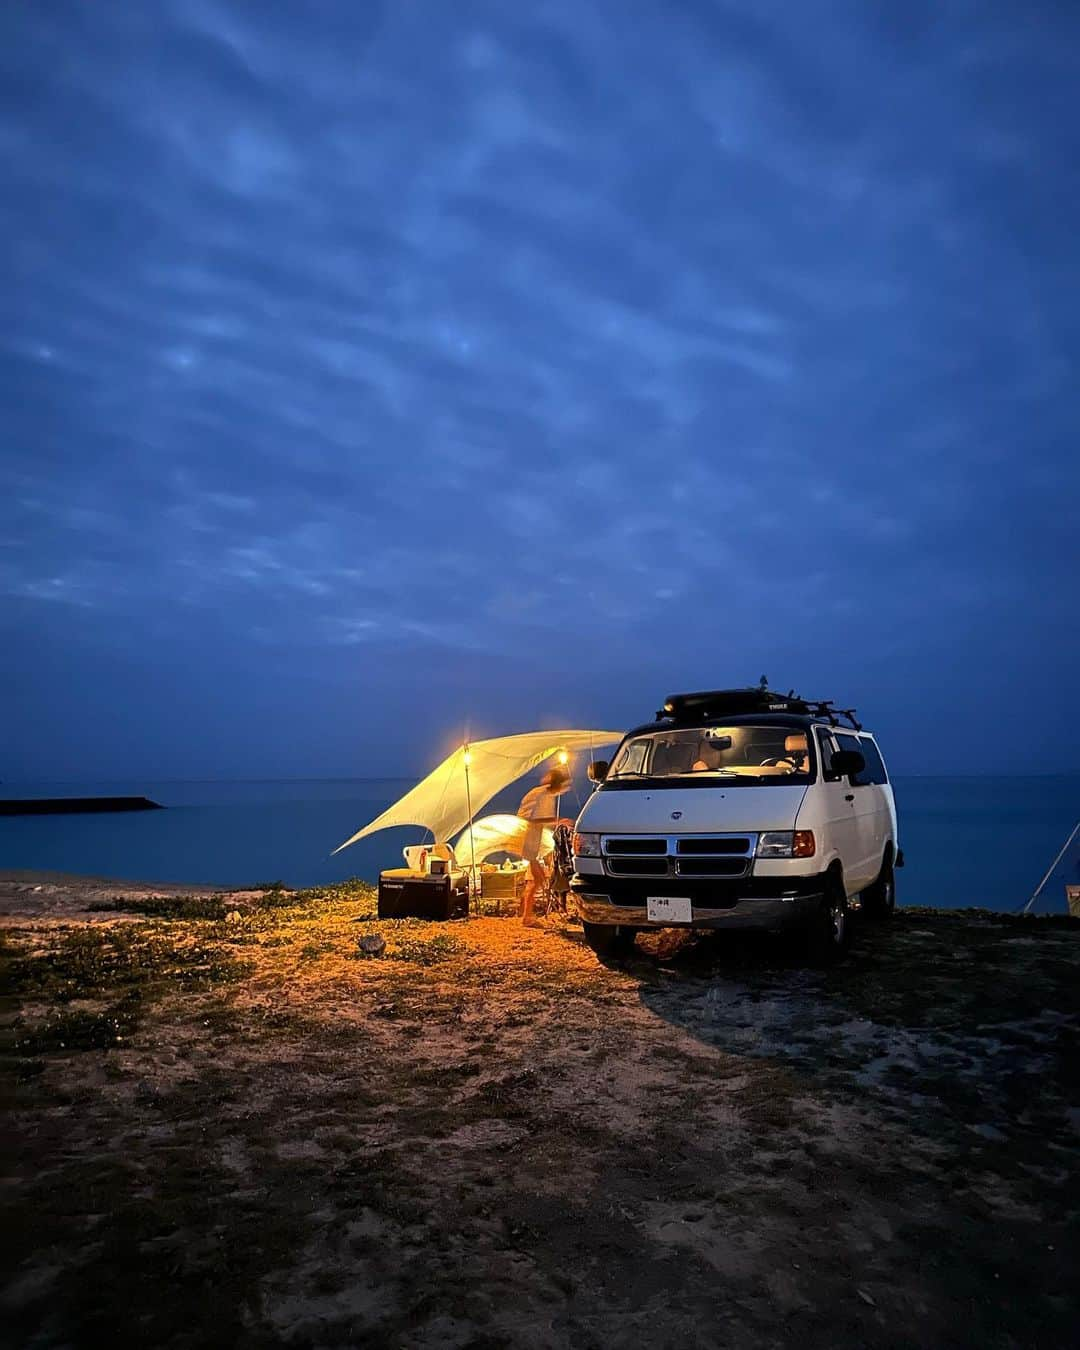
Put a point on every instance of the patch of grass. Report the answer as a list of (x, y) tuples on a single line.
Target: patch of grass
[(426, 951), (277, 898), (95, 960), (80, 1030), (168, 906), (311, 951), (417, 941), (353, 890), (1028, 922), (9, 950)]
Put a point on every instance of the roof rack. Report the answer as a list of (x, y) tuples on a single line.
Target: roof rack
[(708, 703), (823, 708)]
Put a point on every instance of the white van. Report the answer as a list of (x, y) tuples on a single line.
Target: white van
[(737, 809)]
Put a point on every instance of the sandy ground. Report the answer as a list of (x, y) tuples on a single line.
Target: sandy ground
[(239, 1131)]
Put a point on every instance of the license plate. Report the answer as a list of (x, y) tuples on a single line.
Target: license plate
[(669, 909)]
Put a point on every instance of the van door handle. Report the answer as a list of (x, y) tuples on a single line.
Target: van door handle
[(849, 796)]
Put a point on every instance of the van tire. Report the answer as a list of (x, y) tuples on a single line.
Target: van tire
[(879, 900), (828, 937), (610, 942)]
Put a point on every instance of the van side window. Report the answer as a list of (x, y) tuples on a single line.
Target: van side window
[(865, 778), (875, 765), (825, 749)]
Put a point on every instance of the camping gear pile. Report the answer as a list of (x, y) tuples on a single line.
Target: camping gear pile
[(439, 877)]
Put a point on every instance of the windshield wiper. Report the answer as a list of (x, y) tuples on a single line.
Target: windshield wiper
[(767, 777), (706, 773)]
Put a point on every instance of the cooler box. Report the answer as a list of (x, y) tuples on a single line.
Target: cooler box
[(405, 894)]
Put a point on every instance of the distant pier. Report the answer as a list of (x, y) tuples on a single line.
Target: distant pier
[(66, 806)]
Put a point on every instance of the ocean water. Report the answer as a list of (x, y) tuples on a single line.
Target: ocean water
[(967, 841)]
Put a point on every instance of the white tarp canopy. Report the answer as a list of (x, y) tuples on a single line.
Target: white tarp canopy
[(496, 834), (465, 781)]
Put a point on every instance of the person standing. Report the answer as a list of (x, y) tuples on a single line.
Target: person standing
[(540, 810)]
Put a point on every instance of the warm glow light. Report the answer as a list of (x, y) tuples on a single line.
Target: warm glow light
[(467, 757), (563, 757)]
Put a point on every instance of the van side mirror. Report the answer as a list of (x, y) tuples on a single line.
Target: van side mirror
[(847, 763), (597, 770)]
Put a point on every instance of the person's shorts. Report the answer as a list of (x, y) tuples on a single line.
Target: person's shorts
[(530, 848)]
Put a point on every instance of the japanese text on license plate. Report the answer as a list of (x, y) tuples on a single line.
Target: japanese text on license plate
[(669, 909)]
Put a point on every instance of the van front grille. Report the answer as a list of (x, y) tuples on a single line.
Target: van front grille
[(711, 867), (690, 855), (713, 844), (625, 845), (638, 867)]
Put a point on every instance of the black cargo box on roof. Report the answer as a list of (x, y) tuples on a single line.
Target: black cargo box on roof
[(710, 703), (728, 702)]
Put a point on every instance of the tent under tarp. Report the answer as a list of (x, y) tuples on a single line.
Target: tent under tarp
[(496, 834), (445, 801)]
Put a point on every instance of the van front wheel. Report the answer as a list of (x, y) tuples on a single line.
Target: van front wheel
[(828, 935), (609, 941)]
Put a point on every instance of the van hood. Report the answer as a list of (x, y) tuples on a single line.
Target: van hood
[(702, 810)]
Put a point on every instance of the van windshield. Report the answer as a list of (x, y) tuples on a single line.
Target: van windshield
[(738, 754)]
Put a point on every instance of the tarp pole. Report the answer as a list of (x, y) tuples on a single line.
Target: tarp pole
[(562, 759), (467, 758), (1050, 869)]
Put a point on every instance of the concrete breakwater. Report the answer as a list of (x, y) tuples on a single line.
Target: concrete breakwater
[(63, 806)]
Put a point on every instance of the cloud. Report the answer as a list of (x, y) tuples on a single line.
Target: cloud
[(483, 327)]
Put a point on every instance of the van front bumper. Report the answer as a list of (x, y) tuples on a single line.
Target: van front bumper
[(769, 904)]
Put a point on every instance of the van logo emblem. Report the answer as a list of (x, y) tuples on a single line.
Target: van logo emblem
[(676, 815)]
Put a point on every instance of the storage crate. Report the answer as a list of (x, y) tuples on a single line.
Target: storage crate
[(404, 894), (503, 888)]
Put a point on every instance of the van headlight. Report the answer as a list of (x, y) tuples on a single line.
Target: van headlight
[(786, 844), (586, 845)]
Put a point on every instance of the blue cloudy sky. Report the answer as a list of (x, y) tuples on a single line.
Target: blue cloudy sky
[(370, 369)]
